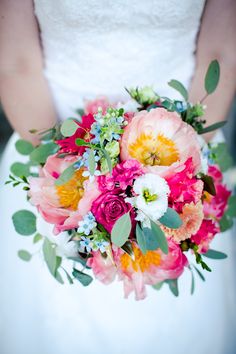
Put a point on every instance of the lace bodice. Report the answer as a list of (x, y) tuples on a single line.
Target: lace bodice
[(96, 47)]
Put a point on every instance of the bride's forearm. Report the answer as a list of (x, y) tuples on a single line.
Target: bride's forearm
[(216, 41), (27, 102)]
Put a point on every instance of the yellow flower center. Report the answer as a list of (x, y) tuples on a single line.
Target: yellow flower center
[(153, 151), (141, 261), (72, 191)]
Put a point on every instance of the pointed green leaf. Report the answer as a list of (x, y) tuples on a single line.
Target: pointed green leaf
[(108, 159), (199, 273), (24, 147), (140, 236), (173, 286), (24, 222), (215, 254), (24, 255), (91, 162), (37, 238), (50, 256), (66, 175), (212, 77), (69, 127), (171, 219), (161, 238), (58, 277), (178, 86), (212, 127), (83, 278), (121, 230), (41, 153)]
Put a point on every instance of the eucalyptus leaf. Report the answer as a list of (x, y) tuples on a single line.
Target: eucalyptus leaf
[(83, 278), (24, 255), (178, 86), (66, 175), (20, 169), (108, 159), (171, 219), (192, 283), (69, 278), (69, 127), (231, 210), (24, 147), (141, 240), (58, 277), (199, 273), (50, 256), (37, 238), (215, 254), (41, 153), (173, 286), (226, 223), (80, 260), (91, 162), (212, 127), (161, 238), (121, 230), (212, 77), (24, 222), (221, 156)]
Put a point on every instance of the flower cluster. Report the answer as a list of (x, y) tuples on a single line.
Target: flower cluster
[(131, 191)]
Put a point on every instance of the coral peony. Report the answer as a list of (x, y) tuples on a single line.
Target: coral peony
[(62, 205), (68, 144), (161, 142)]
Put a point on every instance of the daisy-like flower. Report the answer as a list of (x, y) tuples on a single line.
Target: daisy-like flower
[(152, 195), (87, 224)]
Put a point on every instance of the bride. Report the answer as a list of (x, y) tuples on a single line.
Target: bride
[(53, 55)]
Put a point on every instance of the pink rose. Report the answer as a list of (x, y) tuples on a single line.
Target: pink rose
[(91, 107), (109, 207)]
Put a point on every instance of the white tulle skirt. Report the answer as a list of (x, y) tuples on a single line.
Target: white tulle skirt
[(40, 316)]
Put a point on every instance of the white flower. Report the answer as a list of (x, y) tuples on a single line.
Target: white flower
[(152, 195)]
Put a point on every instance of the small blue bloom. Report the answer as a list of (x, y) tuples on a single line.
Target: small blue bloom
[(102, 245), (87, 224), (85, 244)]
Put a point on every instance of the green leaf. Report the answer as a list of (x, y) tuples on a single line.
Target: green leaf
[(50, 256), (158, 286), (83, 278), (212, 77), (121, 230), (69, 127), (214, 254), (108, 159), (70, 280), (41, 153), (212, 127), (66, 175), (24, 147), (231, 210), (24, 222), (199, 273), (141, 239), (178, 86), (91, 162), (37, 238), (226, 223), (81, 142), (24, 255), (221, 156), (173, 286), (208, 184), (160, 236), (58, 277), (192, 281), (20, 169), (171, 219), (80, 260)]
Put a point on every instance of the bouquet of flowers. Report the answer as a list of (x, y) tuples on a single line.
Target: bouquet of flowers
[(131, 190)]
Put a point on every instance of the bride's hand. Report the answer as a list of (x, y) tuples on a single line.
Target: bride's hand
[(216, 41), (24, 92)]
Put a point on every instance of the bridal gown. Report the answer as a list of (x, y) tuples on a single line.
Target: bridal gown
[(96, 47)]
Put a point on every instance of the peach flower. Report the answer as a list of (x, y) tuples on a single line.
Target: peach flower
[(161, 142), (192, 216)]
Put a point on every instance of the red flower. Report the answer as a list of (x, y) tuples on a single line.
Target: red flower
[(68, 144)]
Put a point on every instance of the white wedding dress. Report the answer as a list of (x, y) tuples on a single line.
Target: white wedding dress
[(96, 47)]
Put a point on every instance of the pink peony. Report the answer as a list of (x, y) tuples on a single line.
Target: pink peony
[(91, 107), (109, 207), (215, 206), (148, 269), (68, 144), (123, 175), (62, 205), (205, 235), (161, 142), (103, 268), (184, 187)]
